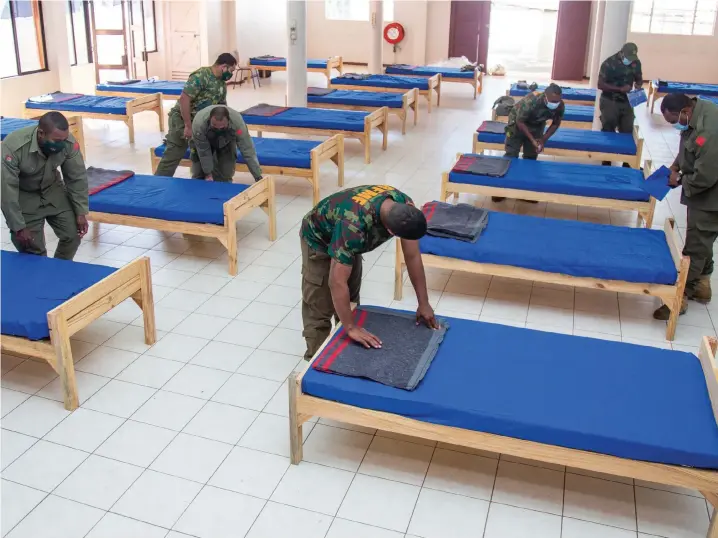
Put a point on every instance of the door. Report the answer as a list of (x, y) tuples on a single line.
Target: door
[(184, 35), (138, 66), (469, 30), (110, 44), (572, 29)]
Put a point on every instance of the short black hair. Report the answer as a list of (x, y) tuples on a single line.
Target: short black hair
[(53, 120), (219, 113), (553, 89), (406, 221), (226, 59), (675, 102)]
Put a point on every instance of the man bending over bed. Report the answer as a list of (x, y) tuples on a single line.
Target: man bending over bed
[(334, 235), (32, 191), (217, 132)]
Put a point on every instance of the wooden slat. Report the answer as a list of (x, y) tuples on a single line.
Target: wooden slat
[(205, 230), (707, 357), (42, 349)]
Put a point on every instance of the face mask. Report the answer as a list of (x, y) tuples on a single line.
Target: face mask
[(626, 61), (552, 106), (219, 132), (50, 148), (227, 75), (679, 126)]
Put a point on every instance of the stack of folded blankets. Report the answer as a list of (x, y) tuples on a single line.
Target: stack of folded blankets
[(463, 222)]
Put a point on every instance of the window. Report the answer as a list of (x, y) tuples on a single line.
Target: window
[(355, 10), (688, 17), (21, 33), (78, 32), (142, 13)]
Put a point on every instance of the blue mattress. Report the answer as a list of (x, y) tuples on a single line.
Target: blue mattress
[(624, 400), (165, 87), (580, 249), (588, 180), (8, 125), (582, 113), (313, 118), (426, 71), (690, 88), (87, 103), (359, 98), (579, 140), (385, 81), (569, 94), (282, 62), (34, 285), (167, 198), (274, 152), (713, 100)]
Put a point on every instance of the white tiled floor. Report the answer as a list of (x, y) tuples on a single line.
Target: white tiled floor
[(189, 437)]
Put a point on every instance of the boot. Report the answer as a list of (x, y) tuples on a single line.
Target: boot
[(498, 198), (606, 163), (701, 292), (626, 165), (662, 313)]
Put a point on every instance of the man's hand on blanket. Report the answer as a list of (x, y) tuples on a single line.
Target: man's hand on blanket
[(364, 337), (425, 315), (82, 225), (24, 237)]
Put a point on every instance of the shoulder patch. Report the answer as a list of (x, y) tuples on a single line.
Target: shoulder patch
[(239, 131), (701, 140), (76, 146), (9, 158)]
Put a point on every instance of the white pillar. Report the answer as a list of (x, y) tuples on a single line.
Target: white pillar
[(614, 34), (57, 47), (595, 64), (377, 37), (297, 53)]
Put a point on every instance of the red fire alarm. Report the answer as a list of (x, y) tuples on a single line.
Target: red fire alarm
[(394, 33)]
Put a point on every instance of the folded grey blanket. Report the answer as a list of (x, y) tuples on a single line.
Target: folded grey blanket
[(494, 127), (481, 165), (98, 179), (122, 82), (319, 91), (463, 221), (263, 109), (356, 76), (403, 359)]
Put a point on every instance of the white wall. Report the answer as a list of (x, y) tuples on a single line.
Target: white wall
[(438, 21), (261, 27), (681, 58)]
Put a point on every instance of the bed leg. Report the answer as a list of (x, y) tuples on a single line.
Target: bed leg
[(161, 115), (271, 210), (295, 425), (147, 302), (403, 121), (385, 130), (63, 355), (340, 160), (675, 303), (232, 247), (398, 273), (131, 126), (315, 185), (438, 94), (713, 526), (428, 98), (367, 148), (651, 212)]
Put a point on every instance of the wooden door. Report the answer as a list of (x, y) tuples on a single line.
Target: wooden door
[(109, 40), (469, 29), (184, 37), (571, 46)]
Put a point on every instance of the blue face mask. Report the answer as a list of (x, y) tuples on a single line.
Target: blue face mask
[(679, 126), (552, 106), (626, 61)]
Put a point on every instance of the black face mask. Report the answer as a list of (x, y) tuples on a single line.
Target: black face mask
[(215, 134)]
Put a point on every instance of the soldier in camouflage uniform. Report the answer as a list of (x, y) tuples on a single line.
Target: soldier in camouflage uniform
[(33, 192), (334, 235), (217, 131), (205, 87), (618, 75)]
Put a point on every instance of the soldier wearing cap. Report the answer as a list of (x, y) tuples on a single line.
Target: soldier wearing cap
[(33, 191), (619, 74)]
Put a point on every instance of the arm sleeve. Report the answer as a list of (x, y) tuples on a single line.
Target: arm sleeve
[(74, 175), (192, 87), (11, 190), (246, 147), (705, 174), (638, 75), (201, 144), (523, 109), (346, 243)]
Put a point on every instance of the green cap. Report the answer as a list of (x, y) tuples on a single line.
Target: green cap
[(630, 51)]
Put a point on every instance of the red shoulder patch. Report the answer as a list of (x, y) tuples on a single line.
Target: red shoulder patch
[(76, 147), (239, 131), (8, 158), (701, 140)]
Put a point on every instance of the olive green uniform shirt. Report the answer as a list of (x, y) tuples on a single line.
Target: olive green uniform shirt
[(203, 90), (31, 181)]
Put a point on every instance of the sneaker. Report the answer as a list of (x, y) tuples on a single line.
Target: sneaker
[(701, 292), (498, 198), (663, 313)]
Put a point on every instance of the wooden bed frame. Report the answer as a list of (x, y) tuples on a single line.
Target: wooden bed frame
[(654, 94), (152, 101), (134, 280), (588, 125), (260, 194), (409, 101), (434, 85), (134, 94), (477, 82), (646, 210), (333, 62), (331, 149), (378, 119), (671, 295), (567, 101), (303, 407), (633, 160)]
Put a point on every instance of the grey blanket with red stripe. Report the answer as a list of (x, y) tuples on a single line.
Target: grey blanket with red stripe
[(462, 221), (99, 179)]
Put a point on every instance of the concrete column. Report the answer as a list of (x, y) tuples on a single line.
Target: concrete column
[(297, 53), (377, 37), (616, 21)]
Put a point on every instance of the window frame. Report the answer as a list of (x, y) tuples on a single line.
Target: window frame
[(88, 33), (154, 25), (693, 23), (41, 25)]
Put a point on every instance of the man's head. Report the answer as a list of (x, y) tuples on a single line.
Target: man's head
[(52, 132), (225, 66), (405, 221), (677, 109), (219, 118), (629, 53), (553, 96)]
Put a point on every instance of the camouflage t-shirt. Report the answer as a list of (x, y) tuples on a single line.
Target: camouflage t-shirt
[(203, 90), (613, 72), (347, 223), (532, 111)]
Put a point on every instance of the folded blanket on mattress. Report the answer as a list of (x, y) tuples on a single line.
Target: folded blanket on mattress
[(99, 179), (356, 76), (122, 82), (263, 109), (56, 97), (463, 221), (319, 91), (495, 127), (403, 66), (406, 352), (482, 165), (267, 57)]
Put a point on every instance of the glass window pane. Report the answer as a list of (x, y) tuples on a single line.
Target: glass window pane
[(70, 37), (110, 49), (81, 39), (112, 75), (8, 64), (29, 39), (150, 29), (108, 14)]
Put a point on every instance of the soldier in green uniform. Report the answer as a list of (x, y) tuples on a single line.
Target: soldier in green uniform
[(618, 75), (205, 87), (696, 169), (526, 128), (33, 192), (217, 131), (334, 235)]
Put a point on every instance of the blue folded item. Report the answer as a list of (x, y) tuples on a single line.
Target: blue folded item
[(713, 100), (384, 81), (8, 125), (282, 62), (657, 183), (359, 98), (624, 400), (637, 97), (86, 103), (167, 198), (34, 285), (615, 183), (580, 249), (690, 88), (427, 71), (582, 113), (568, 94), (579, 140), (165, 87), (313, 118)]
